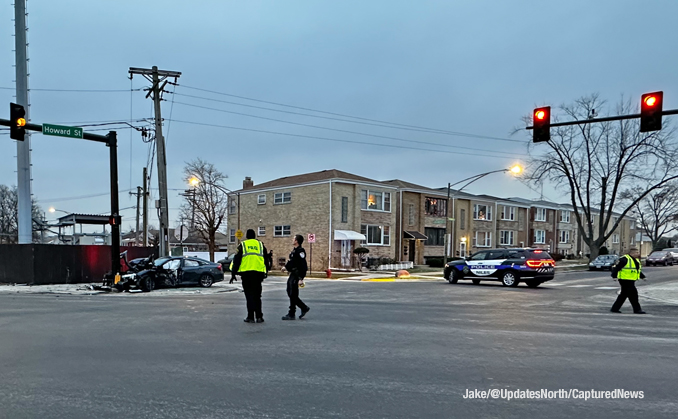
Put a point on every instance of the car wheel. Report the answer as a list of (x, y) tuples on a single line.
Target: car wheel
[(509, 279), (475, 281), (453, 277), (206, 281), (147, 284), (533, 284), (666, 264)]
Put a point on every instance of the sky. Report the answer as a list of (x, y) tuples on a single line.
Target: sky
[(470, 67)]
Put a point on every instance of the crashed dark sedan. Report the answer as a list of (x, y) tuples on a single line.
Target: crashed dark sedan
[(172, 272)]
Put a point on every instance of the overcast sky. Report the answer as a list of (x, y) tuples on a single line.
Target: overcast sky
[(473, 67)]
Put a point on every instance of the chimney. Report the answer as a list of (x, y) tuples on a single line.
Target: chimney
[(247, 183)]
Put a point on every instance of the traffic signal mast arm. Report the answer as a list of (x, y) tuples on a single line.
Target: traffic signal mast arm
[(38, 127), (609, 118)]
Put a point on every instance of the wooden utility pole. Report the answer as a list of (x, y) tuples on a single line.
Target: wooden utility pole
[(156, 77), (145, 221)]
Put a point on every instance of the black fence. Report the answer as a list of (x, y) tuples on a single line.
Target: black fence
[(59, 264)]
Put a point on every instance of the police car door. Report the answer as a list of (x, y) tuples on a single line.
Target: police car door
[(475, 263), (489, 265)]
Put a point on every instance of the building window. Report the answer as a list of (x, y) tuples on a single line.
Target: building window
[(508, 213), (261, 199), (539, 236), (633, 239), (232, 206), (344, 209), (462, 219), (564, 216), (231, 236), (376, 235), (482, 212), (436, 236), (436, 207), (615, 238), (564, 236), (411, 215), (375, 201), (506, 238), (482, 239), (262, 231), (540, 214), (282, 231), (282, 198)]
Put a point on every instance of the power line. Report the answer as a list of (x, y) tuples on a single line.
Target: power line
[(390, 124), (335, 139), (78, 90), (347, 131), (73, 198)]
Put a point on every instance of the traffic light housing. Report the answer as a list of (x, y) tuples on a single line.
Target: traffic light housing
[(114, 220), (651, 105), (541, 124), (17, 119)]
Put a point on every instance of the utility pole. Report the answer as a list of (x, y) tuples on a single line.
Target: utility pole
[(23, 147), (145, 221), (156, 77), (138, 195)]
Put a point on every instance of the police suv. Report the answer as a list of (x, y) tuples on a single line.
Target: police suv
[(510, 266)]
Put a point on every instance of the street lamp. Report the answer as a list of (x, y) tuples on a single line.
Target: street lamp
[(515, 170), (194, 182), (53, 210)]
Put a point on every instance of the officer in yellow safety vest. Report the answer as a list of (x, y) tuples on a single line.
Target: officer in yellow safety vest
[(251, 263), (628, 271)]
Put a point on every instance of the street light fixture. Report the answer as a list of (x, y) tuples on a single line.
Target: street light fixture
[(53, 210), (515, 170)]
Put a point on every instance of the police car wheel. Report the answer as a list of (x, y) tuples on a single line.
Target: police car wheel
[(475, 281), (453, 277), (509, 279), (206, 281)]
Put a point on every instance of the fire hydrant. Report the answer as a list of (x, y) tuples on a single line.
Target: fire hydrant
[(328, 272)]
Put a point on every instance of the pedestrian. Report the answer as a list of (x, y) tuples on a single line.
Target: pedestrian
[(251, 263), (628, 271), (297, 268)]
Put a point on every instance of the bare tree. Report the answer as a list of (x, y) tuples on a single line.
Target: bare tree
[(208, 204), (9, 216), (595, 162), (657, 212)]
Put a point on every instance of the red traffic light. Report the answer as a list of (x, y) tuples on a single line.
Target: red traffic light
[(651, 105), (541, 121)]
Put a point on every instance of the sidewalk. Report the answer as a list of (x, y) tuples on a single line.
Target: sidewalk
[(87, 289)]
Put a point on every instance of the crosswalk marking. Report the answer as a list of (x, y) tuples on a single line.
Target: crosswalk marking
[(607, 288), (579, 286), (550, 284)]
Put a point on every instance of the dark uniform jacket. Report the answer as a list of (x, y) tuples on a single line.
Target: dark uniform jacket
[(297, 263), (237, 260), (620, 265)]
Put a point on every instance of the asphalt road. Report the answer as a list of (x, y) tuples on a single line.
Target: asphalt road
[(366, 350)]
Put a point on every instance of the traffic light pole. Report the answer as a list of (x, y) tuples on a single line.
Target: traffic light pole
[(111, 140), (606, 119)]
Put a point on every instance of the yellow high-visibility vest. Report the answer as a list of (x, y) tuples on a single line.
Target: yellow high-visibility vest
[(252, 256), (629, 271)]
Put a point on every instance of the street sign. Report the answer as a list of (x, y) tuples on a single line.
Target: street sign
[(61, 131), (238, 234), (181, 233), (311, 238)]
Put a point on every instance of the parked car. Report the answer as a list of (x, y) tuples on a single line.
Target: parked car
[(659, 257), (174, 271), (673, 252), (226, 263), (510, 266), (603, 262)]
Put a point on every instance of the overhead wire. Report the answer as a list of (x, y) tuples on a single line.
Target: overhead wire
[(333, 139), (375, 122), (348, 131)]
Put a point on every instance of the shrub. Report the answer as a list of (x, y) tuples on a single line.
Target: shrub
[(361, 250), (557, 257), (604, 251), (435, 262), (386, 261)]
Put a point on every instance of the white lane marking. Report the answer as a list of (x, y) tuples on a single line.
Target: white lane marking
[(551, 284), (607, 288), (579, 286)]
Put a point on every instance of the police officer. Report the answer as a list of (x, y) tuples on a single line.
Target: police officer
[(251, 263), (628, 271), (297, 268)]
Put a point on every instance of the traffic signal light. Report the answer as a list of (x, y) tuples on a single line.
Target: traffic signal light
[(17, 117), (114, 220), (541, 124), (651, 111)]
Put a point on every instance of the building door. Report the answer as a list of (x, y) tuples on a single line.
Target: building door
[(413, 251), (345, 253), (462, 249)]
